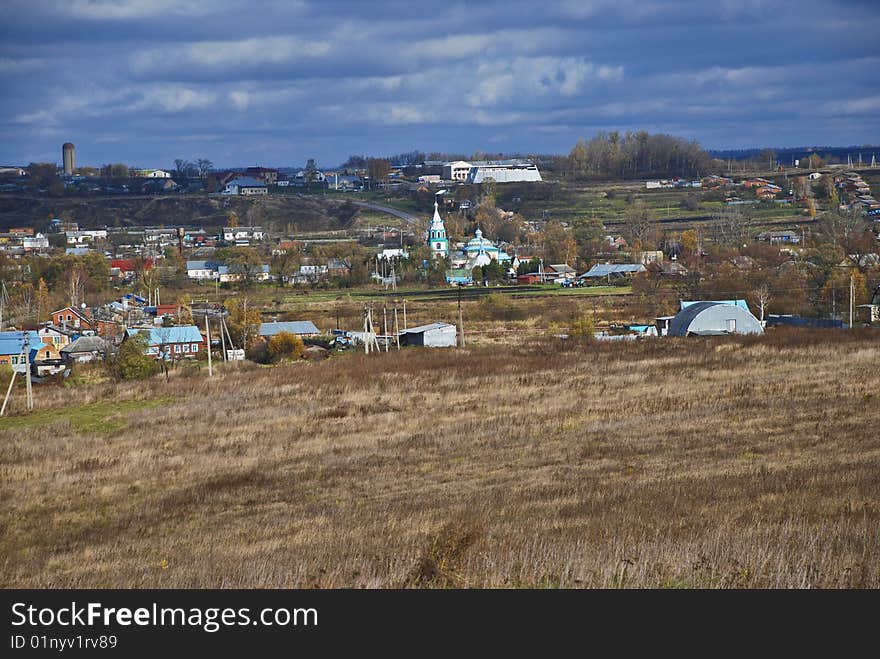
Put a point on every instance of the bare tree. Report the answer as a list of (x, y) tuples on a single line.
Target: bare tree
[(204, 166), (638, 225), (762, 298), (76, 282), (733, 226)]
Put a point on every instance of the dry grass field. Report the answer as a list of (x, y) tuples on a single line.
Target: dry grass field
[(722, 463)]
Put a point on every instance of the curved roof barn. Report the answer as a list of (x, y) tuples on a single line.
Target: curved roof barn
[(713, 318)]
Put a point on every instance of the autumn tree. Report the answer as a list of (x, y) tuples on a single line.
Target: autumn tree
[(244, 320), (184, 311), (285, 344), (42, 300)]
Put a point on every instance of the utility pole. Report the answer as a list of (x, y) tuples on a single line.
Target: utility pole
[(8, 392), (460, 319), (396, 328), (208, 333), (404, 315), (224, 356), (385, 325), (851, 295), (27, 371)]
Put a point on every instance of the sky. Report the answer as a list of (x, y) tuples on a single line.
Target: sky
[(144, 82)]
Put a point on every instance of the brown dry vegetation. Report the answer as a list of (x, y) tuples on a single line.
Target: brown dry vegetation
[(670, 463)]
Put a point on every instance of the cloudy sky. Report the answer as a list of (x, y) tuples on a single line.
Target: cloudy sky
[(273, 83)]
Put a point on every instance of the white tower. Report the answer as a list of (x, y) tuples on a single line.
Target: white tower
[(437, 240)]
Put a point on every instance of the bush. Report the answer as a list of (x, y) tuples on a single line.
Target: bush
[(582, 327), (131, 362), (284, 345)]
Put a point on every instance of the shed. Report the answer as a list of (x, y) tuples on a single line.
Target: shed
[(434, 335), (713, 318)]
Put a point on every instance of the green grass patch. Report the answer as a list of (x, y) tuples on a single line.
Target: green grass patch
[(105, 417)]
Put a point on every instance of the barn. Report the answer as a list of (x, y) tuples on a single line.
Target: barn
[(713, 318), (434, 335)]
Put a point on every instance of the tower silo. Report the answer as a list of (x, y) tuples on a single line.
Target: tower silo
[(69, 153)]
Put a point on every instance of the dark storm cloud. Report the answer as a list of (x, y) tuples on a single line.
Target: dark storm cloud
[(147, 81)]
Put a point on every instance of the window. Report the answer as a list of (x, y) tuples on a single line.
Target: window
[(15, 360), (186, 347), (153, 350), (195, 347), (48, 354), (177, 347), (69, 317), (439, 245)]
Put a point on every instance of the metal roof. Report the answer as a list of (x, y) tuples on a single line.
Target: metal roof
[(11, 343), (427, 328), (709, 318), (291, 327), (86, 344), (162, 335), (737, 303), (247, 182), (605, 269)]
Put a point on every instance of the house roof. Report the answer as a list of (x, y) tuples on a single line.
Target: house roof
[(236, 268), (11, 343), (199, 265), (247, 182), (163, 335), (86, 344), (427, 328), (291, 327), (604, 269), (742, 304)]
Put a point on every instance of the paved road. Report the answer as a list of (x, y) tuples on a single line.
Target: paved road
[(396, 212)]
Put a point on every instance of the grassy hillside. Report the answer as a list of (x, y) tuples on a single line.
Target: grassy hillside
[(674, 463), (299, 213)]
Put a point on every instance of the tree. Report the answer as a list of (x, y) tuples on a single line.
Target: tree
[(204, 166), (41, 174), (182, 166), (378, 169), (132, 362), (244, 320), (488, 190), (76, 284), (638, 226), (184, 311), (41, 299), (762, 298), (285, 344)]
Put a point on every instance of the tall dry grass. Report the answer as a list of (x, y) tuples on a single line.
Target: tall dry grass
[(672, 463)]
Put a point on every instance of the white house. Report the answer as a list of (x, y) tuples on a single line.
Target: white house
[(242, 236), (85, 236), (246, 186), (456, 171), (201, 270)]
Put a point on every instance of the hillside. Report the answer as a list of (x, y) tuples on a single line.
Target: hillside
[(302, 213), (677, 463)]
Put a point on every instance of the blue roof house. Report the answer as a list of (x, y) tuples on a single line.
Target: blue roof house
[(12, 346), (171, 342)]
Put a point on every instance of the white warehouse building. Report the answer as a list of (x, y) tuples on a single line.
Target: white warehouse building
[(502, 171)]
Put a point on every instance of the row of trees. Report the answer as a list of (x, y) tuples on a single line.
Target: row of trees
[(634, 155)]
